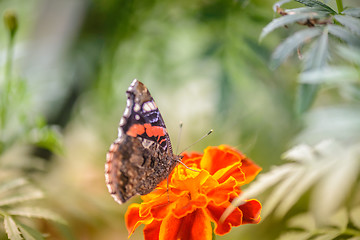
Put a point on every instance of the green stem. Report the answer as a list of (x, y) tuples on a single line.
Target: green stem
[(6, 92), (339, 6)]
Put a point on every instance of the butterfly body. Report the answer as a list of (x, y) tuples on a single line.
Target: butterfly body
[(141, 156)]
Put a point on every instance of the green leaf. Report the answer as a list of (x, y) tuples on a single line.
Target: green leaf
[(350, 22), (283, 21), (46, 137), (284, 50), (330, 75), (318, 13), (317, 4), (340, 219), (354, 238), (36, 212), (301, 154), (11, 184), (314, 171), (329, 234), (11, 228), (305, 96), (282, 189), (351, 54), (262, 183), (355, 216), (303, 221), (279, 3), (315, 58), (341, 176), (344, 34), (26, 196), (354, 12), (30, 233), (295, 235)]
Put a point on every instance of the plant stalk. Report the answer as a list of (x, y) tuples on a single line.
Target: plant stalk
[(340, 6)]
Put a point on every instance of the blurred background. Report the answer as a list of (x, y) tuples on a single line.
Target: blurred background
[(202, 61)]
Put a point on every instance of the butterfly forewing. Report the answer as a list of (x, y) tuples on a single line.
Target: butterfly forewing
[(141, 157)]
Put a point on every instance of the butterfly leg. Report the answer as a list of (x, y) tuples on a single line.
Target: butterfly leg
[(167, 189)]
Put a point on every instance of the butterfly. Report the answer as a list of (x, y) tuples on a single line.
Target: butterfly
[(141, 156)]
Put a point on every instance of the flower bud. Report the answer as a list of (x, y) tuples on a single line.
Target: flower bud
[(10, 21)]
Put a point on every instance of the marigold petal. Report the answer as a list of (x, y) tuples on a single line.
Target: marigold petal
[(216, 158), (159, 191), (169, 228), (133, 219), (152, 230), (233, 220), (250, 169), (190, 184), (185, 205), (201, 228), (192, 158), (251, 211), (195, 225), (233, 170), (155, 206), (247, 213), (221, 193), (161, 210)]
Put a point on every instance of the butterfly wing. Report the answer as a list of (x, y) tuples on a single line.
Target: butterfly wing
[(141, 157)]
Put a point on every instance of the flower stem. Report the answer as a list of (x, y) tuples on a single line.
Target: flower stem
[(340, 6), (10, 21)]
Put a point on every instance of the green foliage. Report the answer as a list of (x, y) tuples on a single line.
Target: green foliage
[(20, 126), (303, 226), (321, 178), (324, 23), (17, 197)]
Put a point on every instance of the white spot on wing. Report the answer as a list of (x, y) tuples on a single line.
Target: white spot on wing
[(122, 121), (137, 117), (120, 132), (117, 199), (136, 107), (109, 188), (107, 179), (146, 107), (147, 143), (127, 112), (149, 106)]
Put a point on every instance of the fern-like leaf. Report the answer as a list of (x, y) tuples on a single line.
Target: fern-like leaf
[(11, 228), (26, 196), (30, 233), (317, 4), (330, 75), (285, 49), (344, 34), (285, 20), (11, 184), (350, 22), (36, 212), (354, 12)]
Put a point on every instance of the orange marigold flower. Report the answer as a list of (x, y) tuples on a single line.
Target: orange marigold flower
[(195, 199)]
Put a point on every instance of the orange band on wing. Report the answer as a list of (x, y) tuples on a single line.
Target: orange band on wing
[(154, 130), (135, 130)]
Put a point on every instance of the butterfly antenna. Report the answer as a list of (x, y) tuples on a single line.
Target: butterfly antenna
[(179, 136), (197, 141), (179, 161)]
